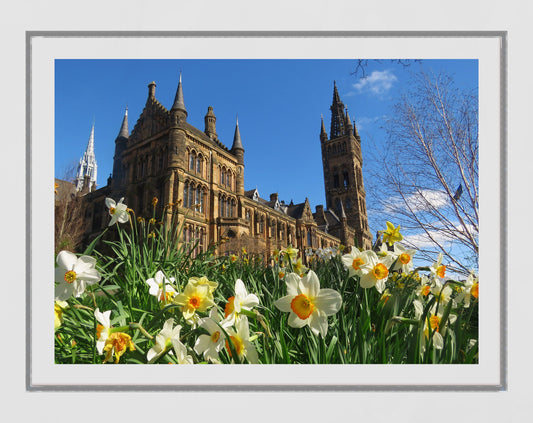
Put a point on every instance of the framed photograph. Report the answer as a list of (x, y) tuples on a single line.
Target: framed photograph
[(265, 139)]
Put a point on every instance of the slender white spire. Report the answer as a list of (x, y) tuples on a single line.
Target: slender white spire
[(87, 167)]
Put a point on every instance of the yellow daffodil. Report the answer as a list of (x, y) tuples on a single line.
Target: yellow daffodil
[(59, 308), (117, 343), (109, 340), (290, 253), (308, 304), (74, 274), (194, 298), (392, 234), (212, 285), (299, 267)]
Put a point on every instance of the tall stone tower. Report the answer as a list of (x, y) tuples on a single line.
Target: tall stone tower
[(343, 177)]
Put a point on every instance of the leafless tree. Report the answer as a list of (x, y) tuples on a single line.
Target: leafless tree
[(68, 212), (427, 180)]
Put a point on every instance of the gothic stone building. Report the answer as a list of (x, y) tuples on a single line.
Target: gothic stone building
[(166, 157)]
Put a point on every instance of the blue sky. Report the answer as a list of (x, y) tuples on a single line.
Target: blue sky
[(278, 103)]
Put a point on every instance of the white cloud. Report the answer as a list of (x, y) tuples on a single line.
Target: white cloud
[(378, 82), (420, 201)]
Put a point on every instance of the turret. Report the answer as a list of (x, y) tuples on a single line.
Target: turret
[(178, 111), (210, 124), (120, 145), (323, 133), (238, 151)]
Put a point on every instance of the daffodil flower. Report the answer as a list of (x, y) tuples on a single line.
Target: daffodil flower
[(299, 267), (161, 288), (193, 299), (374, 274), (290, 253), (435, 325), (392, 234), (74, 274), (471, 289), (240, 338), (117, 211), (165, 339), (405, 258), (210, 345), (240, 301), (308, 304), (109, 340), (386, 256), (59, 308), (438, 270), (212, 285), (357, 262)]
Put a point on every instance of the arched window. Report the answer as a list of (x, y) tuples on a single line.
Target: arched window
[(191, 160), (198, 165), (202, 202), (345, 178), (309, 238), (190, 195), (198, 198), (335, 180), (186, 194)]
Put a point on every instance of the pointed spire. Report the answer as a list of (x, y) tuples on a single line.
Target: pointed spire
[(86, 174), (338, 118), (179, 103), (90, 144), (336, 98), (124, 132), (322, 127), (343, 214), (237, 143)]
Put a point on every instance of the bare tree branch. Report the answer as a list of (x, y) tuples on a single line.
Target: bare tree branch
[(429, 179)]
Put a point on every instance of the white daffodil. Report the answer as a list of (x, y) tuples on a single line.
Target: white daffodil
[(308, 304), (117, 211), (241, 301), (375, 273), (443, 295), (471, 289), (405, 258), (438, 270), (386, 256), (357, 262), (102, 330), (74, 274), (435, 325), (164, 340), (161, 288), (240, 337), (210, 345)]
